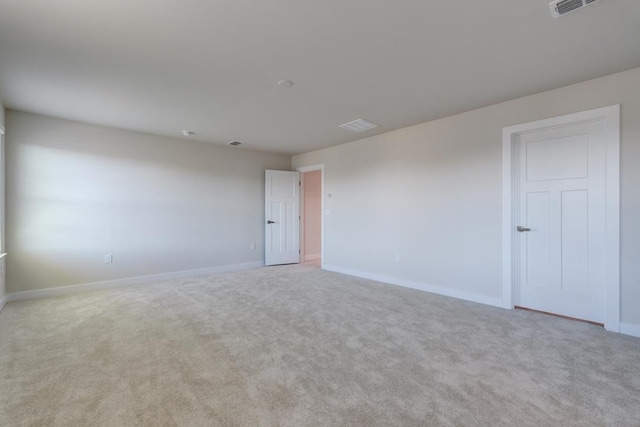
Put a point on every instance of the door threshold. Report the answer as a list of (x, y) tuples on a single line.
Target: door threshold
[(517, 307)]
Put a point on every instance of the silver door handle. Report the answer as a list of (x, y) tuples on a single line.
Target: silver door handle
[(270, 222), (521, 228)]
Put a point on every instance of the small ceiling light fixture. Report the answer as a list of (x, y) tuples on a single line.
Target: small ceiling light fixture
[(285, 83), (234, 143), (188, 133), (359, 126)]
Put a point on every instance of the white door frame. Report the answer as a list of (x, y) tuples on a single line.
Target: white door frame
[(611, 117), (311, 168)]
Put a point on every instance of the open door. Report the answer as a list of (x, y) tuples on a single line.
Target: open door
[(282, 220)]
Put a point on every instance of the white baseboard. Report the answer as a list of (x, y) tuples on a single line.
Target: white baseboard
[(66, 290), (632, 329), (496, 302), (311, 257)]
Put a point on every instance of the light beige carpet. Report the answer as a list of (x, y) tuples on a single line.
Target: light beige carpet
[(297, 346)]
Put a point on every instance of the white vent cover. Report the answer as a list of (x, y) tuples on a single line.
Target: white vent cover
[(562, 7), (358, 126)]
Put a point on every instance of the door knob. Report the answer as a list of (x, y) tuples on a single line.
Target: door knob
[(270, 222), (521, 228)]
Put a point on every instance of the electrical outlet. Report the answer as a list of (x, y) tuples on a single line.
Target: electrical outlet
[(252, 246), (108, 258)]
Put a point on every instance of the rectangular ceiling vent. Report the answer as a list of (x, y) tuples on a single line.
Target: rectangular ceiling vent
[(359, 126), (562, 7)]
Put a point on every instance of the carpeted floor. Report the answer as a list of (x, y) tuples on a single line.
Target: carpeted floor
[(297, 346)]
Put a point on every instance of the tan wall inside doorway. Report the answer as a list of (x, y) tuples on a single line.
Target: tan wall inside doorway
[(312, 215)]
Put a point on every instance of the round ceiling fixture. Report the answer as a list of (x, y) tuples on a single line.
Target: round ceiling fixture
[(285, 83)]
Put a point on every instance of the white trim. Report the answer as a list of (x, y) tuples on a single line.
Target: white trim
[(611, 116), (440, 290), (3, 281), (301, 219), (66, 290), (3, 192), (632, 329), (311, 168), (613, 302)]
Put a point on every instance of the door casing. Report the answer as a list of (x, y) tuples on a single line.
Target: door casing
[(611, 117)]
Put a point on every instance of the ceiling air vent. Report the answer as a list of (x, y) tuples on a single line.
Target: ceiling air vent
[(358, 126), (562, 7), (234, 143)]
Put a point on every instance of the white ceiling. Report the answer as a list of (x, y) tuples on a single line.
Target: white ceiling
[(212, 66)]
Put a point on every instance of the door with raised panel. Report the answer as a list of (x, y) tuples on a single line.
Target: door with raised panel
[(561, 219), (282, 220)]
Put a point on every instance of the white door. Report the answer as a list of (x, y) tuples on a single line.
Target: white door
[(561, 218), (282, 220)]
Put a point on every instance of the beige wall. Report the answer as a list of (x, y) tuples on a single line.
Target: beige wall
[(312, 214), (431, 194), (76, 192)]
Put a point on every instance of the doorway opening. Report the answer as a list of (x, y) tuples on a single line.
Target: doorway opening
[(311, 218)]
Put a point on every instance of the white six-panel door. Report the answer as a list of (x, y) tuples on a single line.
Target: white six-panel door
[(282, 221), (561, 219)]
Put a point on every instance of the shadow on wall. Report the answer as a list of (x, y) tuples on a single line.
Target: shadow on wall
[(77, 192)]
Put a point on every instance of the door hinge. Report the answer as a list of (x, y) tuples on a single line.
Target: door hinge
[(299, 183)]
